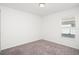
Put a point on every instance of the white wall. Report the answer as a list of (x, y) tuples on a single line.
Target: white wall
[(0, 30), (18, 27), (52, 28)]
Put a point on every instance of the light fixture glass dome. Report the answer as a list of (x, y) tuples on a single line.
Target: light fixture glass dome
[(42, 4)]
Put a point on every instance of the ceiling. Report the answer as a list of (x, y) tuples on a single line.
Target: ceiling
[(41, 11)]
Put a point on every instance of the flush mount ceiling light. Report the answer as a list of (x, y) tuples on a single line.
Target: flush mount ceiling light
[(41, 4)]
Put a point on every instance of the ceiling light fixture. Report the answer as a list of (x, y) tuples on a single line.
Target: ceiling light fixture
[(42, 4)]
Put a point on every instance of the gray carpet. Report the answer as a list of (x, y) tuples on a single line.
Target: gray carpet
[(41, 47)]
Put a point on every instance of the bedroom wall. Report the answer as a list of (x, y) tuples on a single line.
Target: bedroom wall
[(52, 27), (18, 27), (0, 30)]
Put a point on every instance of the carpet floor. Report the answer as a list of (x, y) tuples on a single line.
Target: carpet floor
[(40, 47)]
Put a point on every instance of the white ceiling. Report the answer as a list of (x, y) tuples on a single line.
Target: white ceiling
[(35, 9)]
